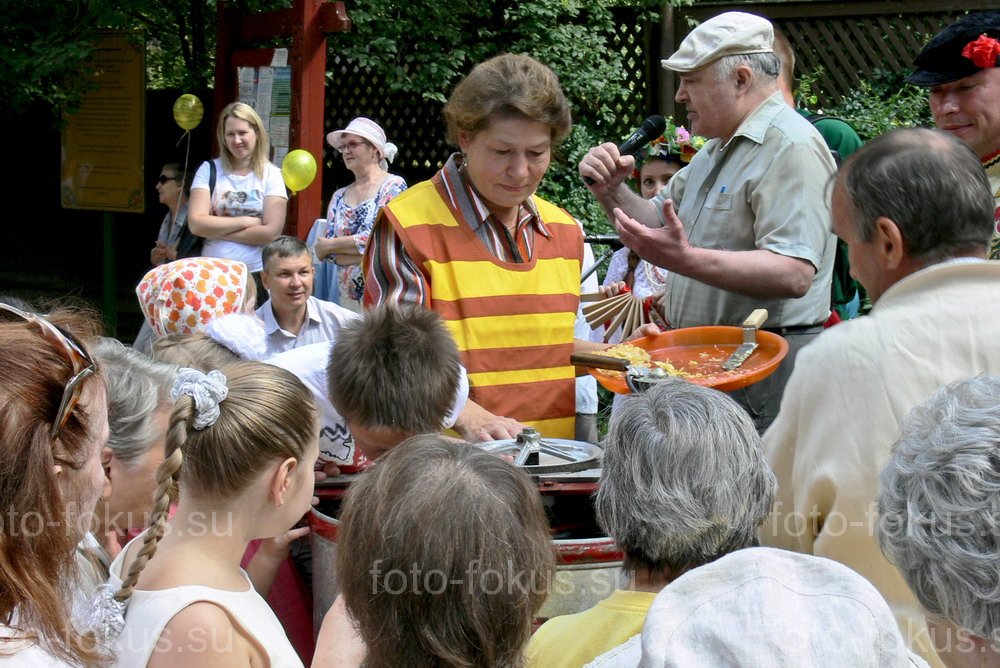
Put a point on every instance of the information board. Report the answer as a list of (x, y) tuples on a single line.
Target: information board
[(268, 90), (102, 144)]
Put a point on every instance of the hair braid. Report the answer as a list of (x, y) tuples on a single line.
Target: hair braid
[(167, 475)]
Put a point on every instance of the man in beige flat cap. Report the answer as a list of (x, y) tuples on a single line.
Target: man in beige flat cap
[(746, 224)]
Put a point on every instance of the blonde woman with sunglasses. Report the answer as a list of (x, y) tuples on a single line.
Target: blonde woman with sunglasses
[(53, 424)]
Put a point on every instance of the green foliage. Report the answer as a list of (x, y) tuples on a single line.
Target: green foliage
[(807, 88), (562, 184), (880, 103), (419, 48), (885, 102), (45, 47), (423, 50)]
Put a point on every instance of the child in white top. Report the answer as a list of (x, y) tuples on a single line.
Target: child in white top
[(241, 447)]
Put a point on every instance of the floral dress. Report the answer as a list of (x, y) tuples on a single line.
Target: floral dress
[(345, 220)]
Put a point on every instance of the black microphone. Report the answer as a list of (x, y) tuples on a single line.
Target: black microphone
[(648, 130), (603, 239)]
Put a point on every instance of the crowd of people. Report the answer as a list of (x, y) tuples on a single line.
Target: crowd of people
[(843, 511)]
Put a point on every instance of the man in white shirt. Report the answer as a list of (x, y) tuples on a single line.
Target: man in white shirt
[(292, 316)]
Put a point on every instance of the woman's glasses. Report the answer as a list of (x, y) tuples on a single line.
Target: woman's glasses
[(83, 365), (352, 145), (164, 178)]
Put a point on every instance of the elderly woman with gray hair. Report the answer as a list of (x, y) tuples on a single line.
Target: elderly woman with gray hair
[(139, 407), (939, 517), (684, 482)]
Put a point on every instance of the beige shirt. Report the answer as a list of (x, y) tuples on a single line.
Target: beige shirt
[(842, 408), (766, 188)]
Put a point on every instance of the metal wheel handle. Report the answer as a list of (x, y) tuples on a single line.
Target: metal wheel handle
[(574, 455)]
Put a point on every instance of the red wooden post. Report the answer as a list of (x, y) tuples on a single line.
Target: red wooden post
[(308, 60), (306, 25), (230, 22)]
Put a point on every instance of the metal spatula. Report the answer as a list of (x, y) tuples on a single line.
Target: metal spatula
[(750, 327)]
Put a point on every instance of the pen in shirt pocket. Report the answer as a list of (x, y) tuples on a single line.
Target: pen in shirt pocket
[(722, 190)]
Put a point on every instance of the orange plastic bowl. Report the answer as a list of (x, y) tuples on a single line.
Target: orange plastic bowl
[(702, 350)]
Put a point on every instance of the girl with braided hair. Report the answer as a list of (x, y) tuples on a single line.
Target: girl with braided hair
[(241, 447)]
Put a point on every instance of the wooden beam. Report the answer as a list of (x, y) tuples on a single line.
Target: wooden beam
[(278, 24), (333, 18), (660, 39), (230, 21), (308, 60), (251, 58)]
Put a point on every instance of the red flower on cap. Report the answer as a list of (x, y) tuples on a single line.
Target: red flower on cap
[(983, 51)]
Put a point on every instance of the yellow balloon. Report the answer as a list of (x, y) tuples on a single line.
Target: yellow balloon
[(298, 169), (188, 111)]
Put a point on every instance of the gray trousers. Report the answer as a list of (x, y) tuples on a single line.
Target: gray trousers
[(763, 399)]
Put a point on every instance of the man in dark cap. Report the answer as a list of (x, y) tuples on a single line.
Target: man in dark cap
[(960, 67)]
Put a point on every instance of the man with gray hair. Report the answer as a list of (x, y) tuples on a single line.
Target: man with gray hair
[(938, 516), (916, 211), (292, 316), (746, 224), (684, 482)]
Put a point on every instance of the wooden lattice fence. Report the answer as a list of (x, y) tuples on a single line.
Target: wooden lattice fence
[(849, 41), (638, 41), (416, 125)]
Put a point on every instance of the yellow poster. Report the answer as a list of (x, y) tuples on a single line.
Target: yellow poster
[(102, 144)]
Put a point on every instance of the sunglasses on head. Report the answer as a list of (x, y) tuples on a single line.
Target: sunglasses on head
[(164, 178), (66, 343)]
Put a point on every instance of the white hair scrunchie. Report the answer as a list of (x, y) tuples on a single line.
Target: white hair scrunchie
[(207, 390)]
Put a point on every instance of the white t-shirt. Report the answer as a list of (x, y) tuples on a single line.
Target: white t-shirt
[(236, 195)]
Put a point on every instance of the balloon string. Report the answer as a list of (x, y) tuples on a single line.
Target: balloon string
[(180, 190)]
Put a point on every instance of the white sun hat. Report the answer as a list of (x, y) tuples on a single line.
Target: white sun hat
[(368, 129)]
